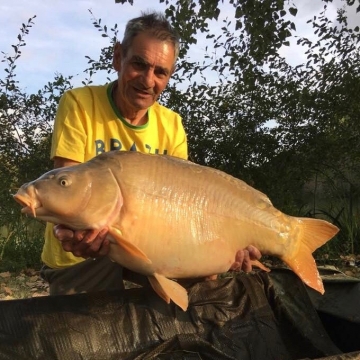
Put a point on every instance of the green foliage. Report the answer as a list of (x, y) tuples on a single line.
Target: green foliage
[(21, 245), (26, 122)]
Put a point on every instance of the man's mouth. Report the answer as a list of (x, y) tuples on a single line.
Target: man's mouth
[(144, 92)]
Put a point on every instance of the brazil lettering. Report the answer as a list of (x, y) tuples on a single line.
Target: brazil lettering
[(115, 144)]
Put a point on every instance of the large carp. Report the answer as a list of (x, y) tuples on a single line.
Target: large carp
[(169, 218)]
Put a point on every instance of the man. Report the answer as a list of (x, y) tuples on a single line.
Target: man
[(123, 115)]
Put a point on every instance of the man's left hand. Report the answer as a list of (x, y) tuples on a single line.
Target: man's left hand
[(244, 257)]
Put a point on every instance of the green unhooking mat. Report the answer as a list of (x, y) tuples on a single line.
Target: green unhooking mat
[(256, 316)]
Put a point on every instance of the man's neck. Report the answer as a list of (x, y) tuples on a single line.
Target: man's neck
[(136, 118), (132, 116)]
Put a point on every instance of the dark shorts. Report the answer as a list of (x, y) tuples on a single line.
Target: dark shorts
[(87, 276)]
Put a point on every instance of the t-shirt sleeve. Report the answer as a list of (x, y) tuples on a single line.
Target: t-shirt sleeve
[(69, 135), (180, 147)]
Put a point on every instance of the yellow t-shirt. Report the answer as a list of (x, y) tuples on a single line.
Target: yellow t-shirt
[(88, 123)]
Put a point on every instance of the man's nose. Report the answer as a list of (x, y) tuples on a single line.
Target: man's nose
[(149, 77)]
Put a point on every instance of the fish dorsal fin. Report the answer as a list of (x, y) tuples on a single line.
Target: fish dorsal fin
[(127, 246), (168, 289)]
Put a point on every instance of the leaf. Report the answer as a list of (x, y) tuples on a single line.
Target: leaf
[(293, 11)]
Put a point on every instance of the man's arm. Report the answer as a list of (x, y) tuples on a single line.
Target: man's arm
[(61, 162)]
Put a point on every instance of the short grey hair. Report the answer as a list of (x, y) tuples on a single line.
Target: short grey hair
[(155, 24)]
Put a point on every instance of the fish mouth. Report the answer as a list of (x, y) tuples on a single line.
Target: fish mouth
[(29, 206)]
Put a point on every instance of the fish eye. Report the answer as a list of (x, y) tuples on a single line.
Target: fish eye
[(64, 181)]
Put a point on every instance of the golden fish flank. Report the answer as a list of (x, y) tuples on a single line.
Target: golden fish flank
[(169, 218)]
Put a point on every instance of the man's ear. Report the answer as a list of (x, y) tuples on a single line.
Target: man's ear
[(117, 56)]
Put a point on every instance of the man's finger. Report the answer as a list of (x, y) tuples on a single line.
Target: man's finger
[(67, 246), (62, 233), (246, 265), (239, 257), (80, 235), (105, 248), (210, 277), (93, 244), (254, 252)]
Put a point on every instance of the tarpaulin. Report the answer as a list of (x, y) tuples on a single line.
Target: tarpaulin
[(247, 316), (339, 308)]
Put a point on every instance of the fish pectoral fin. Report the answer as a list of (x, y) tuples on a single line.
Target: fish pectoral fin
[(127, 246), (159, 289), (168, 289), (261, 266)]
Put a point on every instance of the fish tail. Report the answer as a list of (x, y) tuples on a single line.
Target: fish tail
[(313, 234)]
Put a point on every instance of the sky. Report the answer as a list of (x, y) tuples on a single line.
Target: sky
[(63, 34)]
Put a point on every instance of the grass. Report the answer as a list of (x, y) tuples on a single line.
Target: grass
[(20, 285)]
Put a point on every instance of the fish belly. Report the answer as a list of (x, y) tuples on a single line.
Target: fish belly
[(182, 248), (191, 220)]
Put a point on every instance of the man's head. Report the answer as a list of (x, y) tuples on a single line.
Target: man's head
[(145, 61)]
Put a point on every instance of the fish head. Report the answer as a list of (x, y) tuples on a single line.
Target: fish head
[(77, 196)]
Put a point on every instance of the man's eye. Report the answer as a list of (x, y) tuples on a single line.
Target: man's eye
[(139, 65), (161, 73)]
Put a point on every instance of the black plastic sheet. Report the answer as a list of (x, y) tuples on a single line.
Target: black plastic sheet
[(339, 308), (255, 316)]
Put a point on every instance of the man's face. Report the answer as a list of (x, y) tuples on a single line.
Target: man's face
[(145, 70)]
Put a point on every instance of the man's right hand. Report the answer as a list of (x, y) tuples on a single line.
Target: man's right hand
[(83, 243)]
